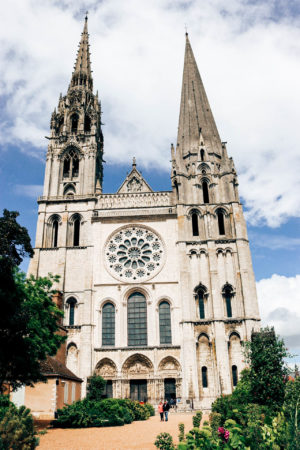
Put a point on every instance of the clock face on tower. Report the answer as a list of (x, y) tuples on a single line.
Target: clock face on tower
[(134, 254)]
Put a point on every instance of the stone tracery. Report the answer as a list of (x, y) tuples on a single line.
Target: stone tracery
[(134, 253)]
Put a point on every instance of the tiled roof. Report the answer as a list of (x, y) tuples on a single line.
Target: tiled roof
[(53, 368)]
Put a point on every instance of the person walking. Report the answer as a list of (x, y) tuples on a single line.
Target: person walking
[(166, 408), (161, 411)]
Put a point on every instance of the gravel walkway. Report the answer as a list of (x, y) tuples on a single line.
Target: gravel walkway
[(138, 435)]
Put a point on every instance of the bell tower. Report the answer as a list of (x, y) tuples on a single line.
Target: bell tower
[(215, 259), (74, 158)]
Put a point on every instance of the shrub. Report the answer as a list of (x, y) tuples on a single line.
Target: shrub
[(106, 412), (89, 413), (181, 432), (95, 387), (199, 438), (150, 409), (291, 411), (140, 412), (17, 430), (197, 419), (215, 421), (164, 441), (4, 405)]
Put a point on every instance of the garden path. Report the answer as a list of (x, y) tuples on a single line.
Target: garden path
[(138, 435)]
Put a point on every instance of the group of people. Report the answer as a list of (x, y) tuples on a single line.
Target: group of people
[(164, 407)]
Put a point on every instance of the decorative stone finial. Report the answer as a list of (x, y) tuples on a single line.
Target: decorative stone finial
[(133, 162)]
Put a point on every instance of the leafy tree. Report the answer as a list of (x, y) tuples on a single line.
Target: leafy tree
[(95, 387), (29, 318), (268, 373)]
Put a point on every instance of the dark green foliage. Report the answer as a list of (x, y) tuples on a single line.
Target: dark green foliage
[(150, 409), (103, 413), (201, 439), (164, 441), (4, 405), (268, 374), (291, 408), (95, 387), (181, 432), (28, 320), (197, 419), (140, 412), (215, 422), (17, 430)]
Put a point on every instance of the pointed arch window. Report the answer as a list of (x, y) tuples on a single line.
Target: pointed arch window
[(71, 164), (234, 375), (87, 124), (54, 233), (204, 377), (201, 304), (195, 225), (108, 325), (176, 189), (165, 332), (74, 123), (201, 291), (205, 192), (137, 319), (221, 222), (228, 294), (76, 235), (202, 153), (72, 303)]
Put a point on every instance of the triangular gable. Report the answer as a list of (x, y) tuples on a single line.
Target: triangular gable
[(134, 182)]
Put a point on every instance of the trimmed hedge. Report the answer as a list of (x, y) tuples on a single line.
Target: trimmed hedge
[(103, 413)]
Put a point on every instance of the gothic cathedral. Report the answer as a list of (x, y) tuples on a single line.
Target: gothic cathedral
[(158, 287)]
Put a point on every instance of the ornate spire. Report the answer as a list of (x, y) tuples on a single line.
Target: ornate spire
[(82, 74), (195, 117)]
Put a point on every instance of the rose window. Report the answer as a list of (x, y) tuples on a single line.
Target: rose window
[(134, 254)]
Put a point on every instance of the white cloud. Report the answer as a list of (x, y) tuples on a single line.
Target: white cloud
[(28, 190), (250, 66), (279, 302)]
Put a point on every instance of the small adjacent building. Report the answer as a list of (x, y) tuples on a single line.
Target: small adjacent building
[(62, 387)]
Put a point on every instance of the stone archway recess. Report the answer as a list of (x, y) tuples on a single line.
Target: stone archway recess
[(168, 369), (106, 368), (137, 378)]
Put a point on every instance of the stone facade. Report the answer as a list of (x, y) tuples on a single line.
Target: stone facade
[(159, 290)]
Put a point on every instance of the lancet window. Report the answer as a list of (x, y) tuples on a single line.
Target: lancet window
[(165, 332), (204, 376), (137, 319), (205, 192), (195, 225), (200, 297), (108, 325), (234, 375), (228, 294), (72, 303), (221, 222)]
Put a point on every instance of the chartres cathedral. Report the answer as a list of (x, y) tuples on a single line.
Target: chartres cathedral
[(158, 287)]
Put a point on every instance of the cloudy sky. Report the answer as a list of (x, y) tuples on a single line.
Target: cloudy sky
[(248, 53)]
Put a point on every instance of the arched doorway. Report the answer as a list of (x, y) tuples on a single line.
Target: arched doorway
[(138, 369)]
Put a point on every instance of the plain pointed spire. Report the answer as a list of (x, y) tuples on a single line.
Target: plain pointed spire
[(195, 116), (82, 74)]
